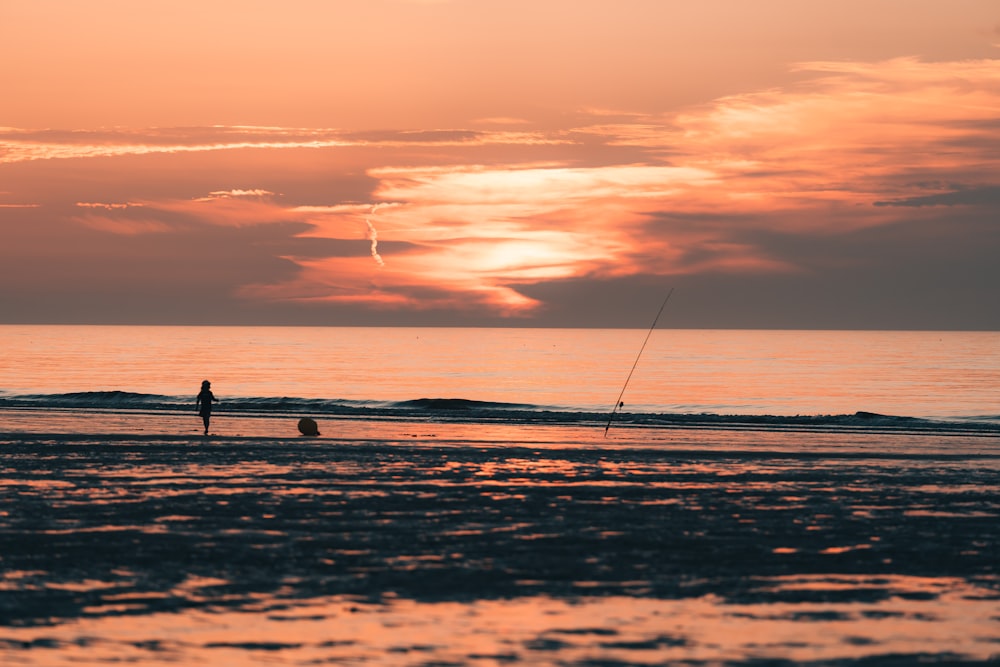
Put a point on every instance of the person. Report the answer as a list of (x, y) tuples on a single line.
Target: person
[(204, 403)]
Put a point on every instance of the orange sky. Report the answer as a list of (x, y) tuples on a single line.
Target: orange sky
[(553, 162)]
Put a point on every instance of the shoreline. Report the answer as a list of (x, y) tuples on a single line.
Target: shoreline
[(120, 428)]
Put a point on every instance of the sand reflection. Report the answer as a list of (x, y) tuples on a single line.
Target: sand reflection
[(310, 552), (819, 620)]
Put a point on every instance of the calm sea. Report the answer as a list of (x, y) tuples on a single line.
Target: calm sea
[(936, 375)]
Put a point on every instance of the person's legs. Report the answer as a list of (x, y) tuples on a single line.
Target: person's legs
[(205, 419)]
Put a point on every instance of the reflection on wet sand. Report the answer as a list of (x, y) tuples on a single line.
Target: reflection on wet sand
[(817, 621), (241, 551)]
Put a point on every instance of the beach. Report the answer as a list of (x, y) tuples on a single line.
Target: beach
[(763, 498), (425, 548)]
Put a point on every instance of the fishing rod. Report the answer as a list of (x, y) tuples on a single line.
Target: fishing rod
[(619, 403)]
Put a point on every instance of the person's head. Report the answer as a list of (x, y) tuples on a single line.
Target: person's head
[(206, 384)]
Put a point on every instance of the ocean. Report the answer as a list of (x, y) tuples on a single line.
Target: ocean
[(941, 376), (475, 498)]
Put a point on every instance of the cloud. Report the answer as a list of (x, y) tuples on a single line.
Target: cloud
[(535, 186), (20, 145), (107, 206), (230, 194), (25, 145), (373, 237), (808, 161), (232, 208), (811, 155), (983, 196), (757, 186)]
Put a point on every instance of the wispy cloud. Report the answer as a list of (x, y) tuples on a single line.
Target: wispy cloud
[(230, 194), (107, 206), (26, 145), (19, 145), (982, 196), (856, 130)]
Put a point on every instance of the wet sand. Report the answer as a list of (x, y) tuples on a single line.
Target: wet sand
[(432, 550)]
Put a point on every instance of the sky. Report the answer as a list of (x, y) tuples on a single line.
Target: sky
[(777, 163)]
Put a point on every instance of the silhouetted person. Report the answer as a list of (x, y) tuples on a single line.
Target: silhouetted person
[(204, 403)]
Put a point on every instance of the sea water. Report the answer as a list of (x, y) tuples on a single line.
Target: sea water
[(929, 375)]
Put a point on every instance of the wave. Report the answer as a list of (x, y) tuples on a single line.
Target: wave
[(467, 410), (88, 399), (461, 404), (272, 404)]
